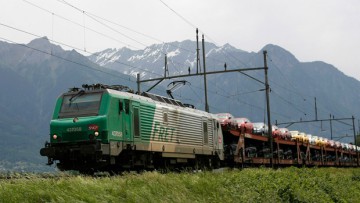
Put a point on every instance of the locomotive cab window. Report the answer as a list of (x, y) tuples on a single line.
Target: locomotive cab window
[(80, 104), (120, 106), (127, 106)]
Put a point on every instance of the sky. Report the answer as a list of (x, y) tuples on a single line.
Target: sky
[(312, 30)]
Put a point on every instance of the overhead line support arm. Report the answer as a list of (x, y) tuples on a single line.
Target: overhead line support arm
[(199, 74)]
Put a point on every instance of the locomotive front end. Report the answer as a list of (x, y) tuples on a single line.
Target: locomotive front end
[(78, 135)]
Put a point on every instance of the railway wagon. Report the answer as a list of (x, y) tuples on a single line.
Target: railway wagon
[(254, 150), (101, 127)]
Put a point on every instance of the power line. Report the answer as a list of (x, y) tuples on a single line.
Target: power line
[(195, 27), (343, 122), (96, 18), (71, 61), (78, 24), (78, 49), (93, 16), (285, 78), (239, 101), (243, 93), (192, 25), (183, 18), (96, 54), (98, 21), (290, 103), (65, 59), (293, 90), (137, 32)]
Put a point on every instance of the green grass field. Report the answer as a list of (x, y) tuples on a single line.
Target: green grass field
[(248, 185)]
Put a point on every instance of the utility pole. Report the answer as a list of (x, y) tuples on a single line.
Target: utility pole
[(197, 52), (267, 88), (206, 100), (138, 83), (166, 70), (357, 152), (316, 115), (331, 134)]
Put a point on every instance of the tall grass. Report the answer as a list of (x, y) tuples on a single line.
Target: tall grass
[(248, 185)]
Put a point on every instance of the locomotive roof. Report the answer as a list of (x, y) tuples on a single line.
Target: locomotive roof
[(145, 96), (163, 99)]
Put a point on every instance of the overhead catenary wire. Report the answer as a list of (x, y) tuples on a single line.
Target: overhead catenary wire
[(69, 45), (290, 103), (80, 25), (343, 122), (293, 89), (226, 95), (93, 30), (75, 48), (286, 79), (84, 31), (180, 16), (96, 17), (139, 33), (183, 18), (239, 101), (305, 98), (195, 27), (102, 21), (65, 59), (244, 93), (71, 61)]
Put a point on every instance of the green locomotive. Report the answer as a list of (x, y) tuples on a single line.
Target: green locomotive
[(103, 127)]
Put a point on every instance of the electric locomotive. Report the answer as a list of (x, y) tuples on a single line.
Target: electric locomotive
[(99, 127)]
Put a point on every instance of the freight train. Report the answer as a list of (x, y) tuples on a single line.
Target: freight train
[(110, 128)]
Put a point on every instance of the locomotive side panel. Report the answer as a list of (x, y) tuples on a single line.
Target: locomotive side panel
[(178, 130)]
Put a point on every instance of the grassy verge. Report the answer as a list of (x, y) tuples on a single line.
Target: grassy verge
[(248, 185)]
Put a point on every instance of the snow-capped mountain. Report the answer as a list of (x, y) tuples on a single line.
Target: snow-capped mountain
[(150, 62)]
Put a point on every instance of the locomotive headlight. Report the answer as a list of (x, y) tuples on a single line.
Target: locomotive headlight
[(54, 136), (96, 133)]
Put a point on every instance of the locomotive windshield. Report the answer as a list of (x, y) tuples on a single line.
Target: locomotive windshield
[(80, 104)]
